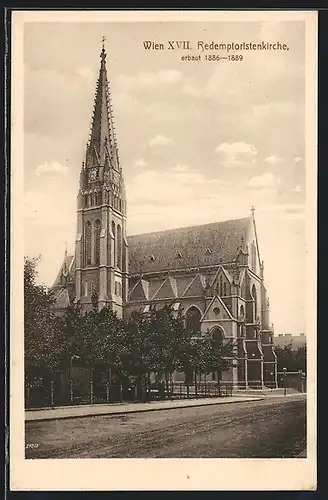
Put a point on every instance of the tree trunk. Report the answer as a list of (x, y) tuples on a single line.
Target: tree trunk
[(91, 386), (187, 373), (70, 380), (120, 388), (166, 381), (107, 392), (51, 393)]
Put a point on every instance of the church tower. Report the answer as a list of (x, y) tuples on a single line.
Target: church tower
[(101, 251)]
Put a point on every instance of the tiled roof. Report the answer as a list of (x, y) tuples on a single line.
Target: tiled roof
[(187, 247), (62, 299), (68, 267)]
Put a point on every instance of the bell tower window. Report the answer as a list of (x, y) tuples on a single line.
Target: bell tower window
[(97, 232), (88, 242), (114, 241), (119, 246)]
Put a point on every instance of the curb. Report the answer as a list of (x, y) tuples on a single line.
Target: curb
[(142, 410)]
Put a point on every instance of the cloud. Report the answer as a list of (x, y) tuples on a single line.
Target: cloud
[(298, 159), (263, 181), (141, 163), (52, 167), (289, 211), (160, 140), (146, 80), (86, 73), (172, 186), (236, 153), (273, 159), (182, 168)]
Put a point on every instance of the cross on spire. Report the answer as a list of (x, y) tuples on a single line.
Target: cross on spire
[(103, 40)]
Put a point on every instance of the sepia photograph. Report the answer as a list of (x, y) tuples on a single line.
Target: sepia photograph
[(164, 246)]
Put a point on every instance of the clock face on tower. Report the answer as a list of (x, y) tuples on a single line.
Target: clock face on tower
[(92, 175)]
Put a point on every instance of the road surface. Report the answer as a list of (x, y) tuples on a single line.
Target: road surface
[(270, 428)]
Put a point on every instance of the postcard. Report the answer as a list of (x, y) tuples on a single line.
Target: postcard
[(163, 250)]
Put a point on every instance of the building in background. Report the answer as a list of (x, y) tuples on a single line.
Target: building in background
[(212, 272), (285, 339)]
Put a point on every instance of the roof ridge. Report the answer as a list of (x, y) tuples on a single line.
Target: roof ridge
[(190, 227)]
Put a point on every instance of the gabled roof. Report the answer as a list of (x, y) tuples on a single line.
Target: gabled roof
[(222, 270), (62, 299), (67, 268), (140, 291), (216, 300), (222, 238), (196, 287), (168, 290)]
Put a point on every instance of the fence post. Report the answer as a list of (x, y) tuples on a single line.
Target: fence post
[(120, 390), (107, 392), (51, 393), (91, 389), (71, 390)]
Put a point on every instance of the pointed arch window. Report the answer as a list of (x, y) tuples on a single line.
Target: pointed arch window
[(221, 286), (114, 241), (97, 232), (193, 317), (254, 295), (119, 246), (87, 242), (98, 198), (224, 289), (217, 337)]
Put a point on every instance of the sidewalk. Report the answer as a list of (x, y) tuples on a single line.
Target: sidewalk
[(119, 408)]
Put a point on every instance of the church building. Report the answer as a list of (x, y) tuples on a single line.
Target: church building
[(213, 272)]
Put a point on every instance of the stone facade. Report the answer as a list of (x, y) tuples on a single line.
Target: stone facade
[(213, 272)]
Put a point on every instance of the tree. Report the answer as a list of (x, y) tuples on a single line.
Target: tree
[(165, 336), (102, 339), (138, 354), (216, 356), (292, 359), (38, 324)]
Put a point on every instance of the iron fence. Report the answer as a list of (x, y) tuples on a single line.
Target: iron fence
[(50, 394)]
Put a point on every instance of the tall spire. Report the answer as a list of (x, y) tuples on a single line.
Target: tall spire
[(102, 146)]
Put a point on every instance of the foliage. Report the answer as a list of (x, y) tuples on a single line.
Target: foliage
[(102, 339), (38, 324), (292, 359), (157, 341), (215, 356)]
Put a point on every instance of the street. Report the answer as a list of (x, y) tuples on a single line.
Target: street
[(270, 428)]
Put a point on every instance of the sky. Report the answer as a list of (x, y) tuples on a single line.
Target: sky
[(199, 142)]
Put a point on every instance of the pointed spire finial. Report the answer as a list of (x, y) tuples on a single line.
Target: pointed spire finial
[(65, 248), (253, 210), (103, 53)]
